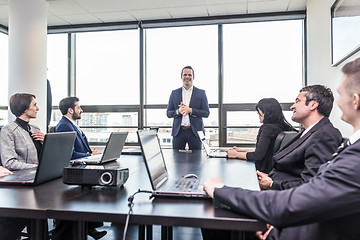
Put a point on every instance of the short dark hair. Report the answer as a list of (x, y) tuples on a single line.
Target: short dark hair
[(19, 102), (67, 103), (322, 95), (188, 67), (352, 70)]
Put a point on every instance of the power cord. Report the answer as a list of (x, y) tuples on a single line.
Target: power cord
[(131, 204)]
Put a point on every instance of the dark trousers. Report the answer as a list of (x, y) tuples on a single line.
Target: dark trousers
[(186, 136), (10, 228), (214, 234), (64, 229)]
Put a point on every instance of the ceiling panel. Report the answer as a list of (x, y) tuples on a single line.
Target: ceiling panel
[(97, 11), (4, 9), (296, 5), (181, 12), (65, 7), (184, 3), (96, 6), (143, 4), (224, 1), (267, 6), (80, 18), (4, 22), (227, 9), (150, 14), (55, 21), (115, 17)]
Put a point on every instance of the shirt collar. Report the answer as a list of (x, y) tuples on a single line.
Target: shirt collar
[(190, 89), (71, 120), (354, 137), (309, 128)]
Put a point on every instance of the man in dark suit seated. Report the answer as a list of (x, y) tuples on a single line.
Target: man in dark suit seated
[(71, 112), (187, 105), (299, 160), (326, 207)]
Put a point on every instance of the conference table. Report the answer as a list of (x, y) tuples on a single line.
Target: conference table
[(56, 200)]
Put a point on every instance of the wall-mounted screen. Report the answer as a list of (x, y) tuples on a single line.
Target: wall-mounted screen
[(345, 20)]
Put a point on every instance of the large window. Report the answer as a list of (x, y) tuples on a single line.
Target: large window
[(263, 59), (107, 67), (57, 66), (3, 77), (258, 60), (168, 50)]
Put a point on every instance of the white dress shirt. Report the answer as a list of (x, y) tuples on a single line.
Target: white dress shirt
[(186, 96)]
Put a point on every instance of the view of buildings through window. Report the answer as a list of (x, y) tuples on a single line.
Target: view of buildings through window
[(260, 59)]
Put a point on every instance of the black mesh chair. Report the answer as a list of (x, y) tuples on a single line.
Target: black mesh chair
[(282, 139)]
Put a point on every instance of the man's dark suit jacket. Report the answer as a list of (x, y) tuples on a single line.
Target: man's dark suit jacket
[(326, 207), (199, 105), (299, 160), (81, 145)]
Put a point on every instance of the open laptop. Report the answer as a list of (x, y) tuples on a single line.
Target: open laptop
[(158, 174), (111, 152), (55, 155), (209, 152)]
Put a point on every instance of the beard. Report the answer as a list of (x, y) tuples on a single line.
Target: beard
[(76, 116)]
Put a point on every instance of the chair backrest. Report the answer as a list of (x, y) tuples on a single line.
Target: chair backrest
[(282, 139), (51, 129)]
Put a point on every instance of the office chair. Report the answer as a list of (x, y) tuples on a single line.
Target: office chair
[(282, 139), (51, 129)]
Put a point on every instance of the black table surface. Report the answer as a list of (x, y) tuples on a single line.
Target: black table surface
[(56, 200)]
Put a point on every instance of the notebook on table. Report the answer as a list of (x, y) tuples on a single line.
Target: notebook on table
[(55, 155), (209, 152), (187, 186), (111, 152)]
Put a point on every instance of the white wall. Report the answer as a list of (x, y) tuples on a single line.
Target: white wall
[(319, 69)]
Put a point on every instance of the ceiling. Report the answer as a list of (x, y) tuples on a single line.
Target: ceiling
[(73, 12)]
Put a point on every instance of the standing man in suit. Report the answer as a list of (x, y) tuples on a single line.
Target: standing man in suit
[(71, 111), (299, 160), (187, 105), (326, 207)]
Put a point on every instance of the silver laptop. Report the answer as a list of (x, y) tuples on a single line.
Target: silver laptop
[(187, 186), (55, 155), (111, 152), (209, 152)]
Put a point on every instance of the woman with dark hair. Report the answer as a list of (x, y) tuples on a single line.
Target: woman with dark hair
[(21, 142), (274, 122)]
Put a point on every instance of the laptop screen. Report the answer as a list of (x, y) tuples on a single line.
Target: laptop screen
[(202, 138), (114, 145), (153, 157)]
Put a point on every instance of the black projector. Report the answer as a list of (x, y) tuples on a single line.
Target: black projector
[(93, 175)]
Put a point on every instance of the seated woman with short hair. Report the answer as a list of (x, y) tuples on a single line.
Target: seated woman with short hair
[(21, 142)]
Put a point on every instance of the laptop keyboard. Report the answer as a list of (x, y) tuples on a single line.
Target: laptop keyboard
[(186, 184)]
